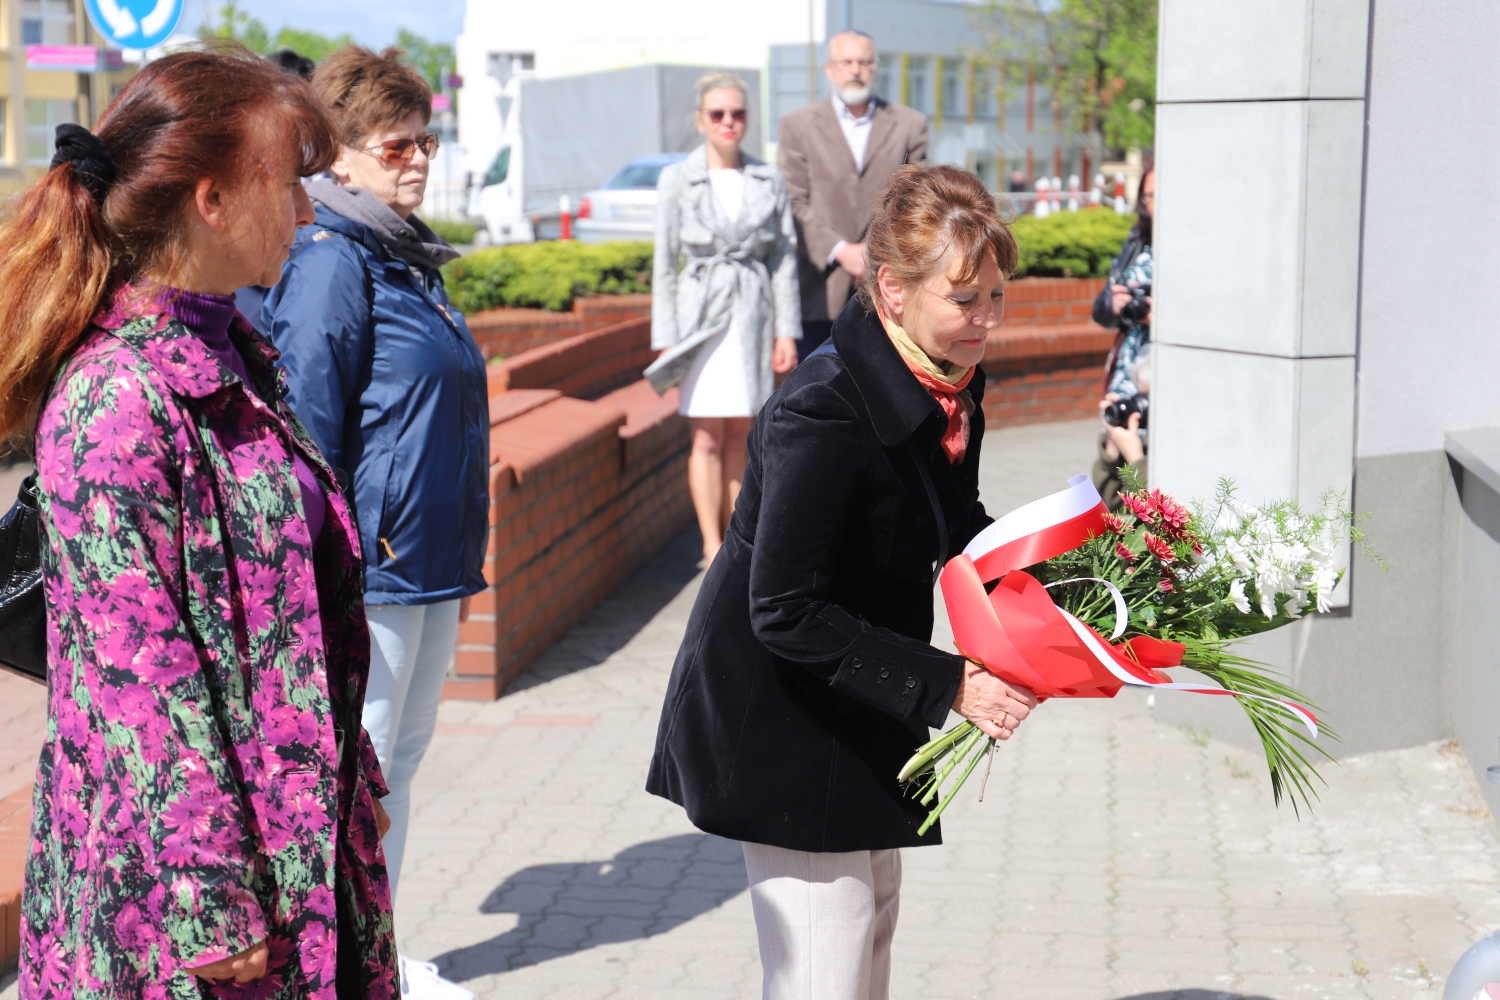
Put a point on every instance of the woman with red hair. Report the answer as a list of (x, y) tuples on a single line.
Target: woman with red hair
[(807, 678), (205, 816)]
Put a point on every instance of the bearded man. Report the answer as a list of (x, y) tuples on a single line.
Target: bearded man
[(836, 156)]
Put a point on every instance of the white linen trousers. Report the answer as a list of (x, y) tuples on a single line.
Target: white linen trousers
[(411, 648), (824, 921)]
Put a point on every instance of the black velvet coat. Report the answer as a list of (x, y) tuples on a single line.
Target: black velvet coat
[(806, 679)]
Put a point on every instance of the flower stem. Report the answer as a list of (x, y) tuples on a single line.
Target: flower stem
[(932, 817), (933, 748)]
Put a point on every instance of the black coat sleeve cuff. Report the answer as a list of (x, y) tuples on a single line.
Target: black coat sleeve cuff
[(890, 675)]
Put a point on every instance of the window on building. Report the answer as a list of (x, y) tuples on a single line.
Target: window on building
[(953, 94), (986, 92), (42, 118), (886, 83), (46, 22), (919, 84)]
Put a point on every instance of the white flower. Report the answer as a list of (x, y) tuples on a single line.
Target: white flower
[(1238, 554), (1294, 605), (1237, 594)]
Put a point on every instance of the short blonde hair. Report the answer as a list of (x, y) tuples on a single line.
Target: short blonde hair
[(369, 93), (721, 79)]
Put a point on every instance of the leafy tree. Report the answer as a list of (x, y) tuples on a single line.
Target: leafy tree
[(230, 20), (1098, 58), (434, 60), (309, 43), (233, 21)]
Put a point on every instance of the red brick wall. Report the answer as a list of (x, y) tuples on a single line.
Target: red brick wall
[(504, 333), (583, 492), (585, 366), (589, 474), (1046, 362)]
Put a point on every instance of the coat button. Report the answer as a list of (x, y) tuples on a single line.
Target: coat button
[(885, 672), (856, 663), (911, 682)]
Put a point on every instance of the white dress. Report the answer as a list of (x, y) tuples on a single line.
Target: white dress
[(716, 384)]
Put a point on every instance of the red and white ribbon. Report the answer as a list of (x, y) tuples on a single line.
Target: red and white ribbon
[(1020, 634), (1039, 531)]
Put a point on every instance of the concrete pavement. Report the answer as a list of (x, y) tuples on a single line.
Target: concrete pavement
[(1113, 857)]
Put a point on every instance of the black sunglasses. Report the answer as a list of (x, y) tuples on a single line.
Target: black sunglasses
[(739, 115)]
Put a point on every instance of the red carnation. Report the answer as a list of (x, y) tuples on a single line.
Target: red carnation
[(1160, 548), (1140, 505), (1173, 515), (1123, 552), (1166, 587), (1114, 524)]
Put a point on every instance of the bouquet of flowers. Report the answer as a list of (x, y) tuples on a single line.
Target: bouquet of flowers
[(1170, 586)]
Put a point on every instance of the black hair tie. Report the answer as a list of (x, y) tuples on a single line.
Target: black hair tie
[(92, 164)]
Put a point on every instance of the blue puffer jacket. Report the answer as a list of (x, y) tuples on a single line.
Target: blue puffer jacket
[(388, 380)]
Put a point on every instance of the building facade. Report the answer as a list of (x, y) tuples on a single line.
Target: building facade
[(1316, 330), (932, 58), (56, 70)]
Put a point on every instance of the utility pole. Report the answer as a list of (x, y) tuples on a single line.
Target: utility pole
[(812, 54)]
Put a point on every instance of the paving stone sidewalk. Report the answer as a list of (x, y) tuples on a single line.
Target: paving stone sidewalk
[(1113, 857)]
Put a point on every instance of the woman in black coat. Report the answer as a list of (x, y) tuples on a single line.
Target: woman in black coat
[(806, 678)]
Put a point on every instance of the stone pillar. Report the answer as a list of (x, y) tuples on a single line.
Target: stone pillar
[(1321, 322), (1260, 165)]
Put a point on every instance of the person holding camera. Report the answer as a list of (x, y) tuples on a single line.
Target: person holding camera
[(1123, 442), (1125, 305)]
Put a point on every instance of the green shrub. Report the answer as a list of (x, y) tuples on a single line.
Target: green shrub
[(456, 233), (546, 275), (1070, 244)]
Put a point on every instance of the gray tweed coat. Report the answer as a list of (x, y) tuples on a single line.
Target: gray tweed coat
[(712, 272)]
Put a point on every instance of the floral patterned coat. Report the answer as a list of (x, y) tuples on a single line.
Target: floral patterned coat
[(205, 659)]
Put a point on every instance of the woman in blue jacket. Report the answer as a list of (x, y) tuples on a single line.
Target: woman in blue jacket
[(386, 377)]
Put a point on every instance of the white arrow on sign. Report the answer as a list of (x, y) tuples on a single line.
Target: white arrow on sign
[(121, 21), (157, 19)]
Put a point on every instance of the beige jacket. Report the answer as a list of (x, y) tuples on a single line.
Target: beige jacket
[(833, 199)]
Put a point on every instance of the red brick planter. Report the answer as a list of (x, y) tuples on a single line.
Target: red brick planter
[(588, 481), (504, 333)]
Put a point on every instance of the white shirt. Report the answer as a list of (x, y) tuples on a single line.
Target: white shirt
[(857, 135), (729, 189), (856, 130)]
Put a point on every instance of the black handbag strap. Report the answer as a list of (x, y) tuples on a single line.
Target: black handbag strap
[(937, 509)]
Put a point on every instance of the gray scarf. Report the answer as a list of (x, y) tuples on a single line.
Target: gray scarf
[(410, 240)]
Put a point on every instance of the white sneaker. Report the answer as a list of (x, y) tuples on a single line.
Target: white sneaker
[(420, 981)]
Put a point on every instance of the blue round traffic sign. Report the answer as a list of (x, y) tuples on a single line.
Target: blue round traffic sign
[(135, 24)]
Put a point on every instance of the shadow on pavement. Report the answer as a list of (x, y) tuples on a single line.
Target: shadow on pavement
[(1193, 994), (623, 614), (643, 891)]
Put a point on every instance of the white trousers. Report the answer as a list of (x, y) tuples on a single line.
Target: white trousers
[(411, 648), (824, 921)]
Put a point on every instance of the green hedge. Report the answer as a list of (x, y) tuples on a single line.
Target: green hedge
[(551, 275), (1070, 244), (546, 275), (456, 233)]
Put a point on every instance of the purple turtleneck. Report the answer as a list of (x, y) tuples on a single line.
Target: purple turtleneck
[(209, 316)]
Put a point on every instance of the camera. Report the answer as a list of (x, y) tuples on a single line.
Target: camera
[(1137, 308), (1117, 414)]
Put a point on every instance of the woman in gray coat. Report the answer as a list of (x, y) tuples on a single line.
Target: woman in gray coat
[(724, 296)]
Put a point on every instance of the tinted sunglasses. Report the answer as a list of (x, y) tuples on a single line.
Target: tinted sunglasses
[(738, 115), (401, 151)]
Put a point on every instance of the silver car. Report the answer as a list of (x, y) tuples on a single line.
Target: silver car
[(625, 207)]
